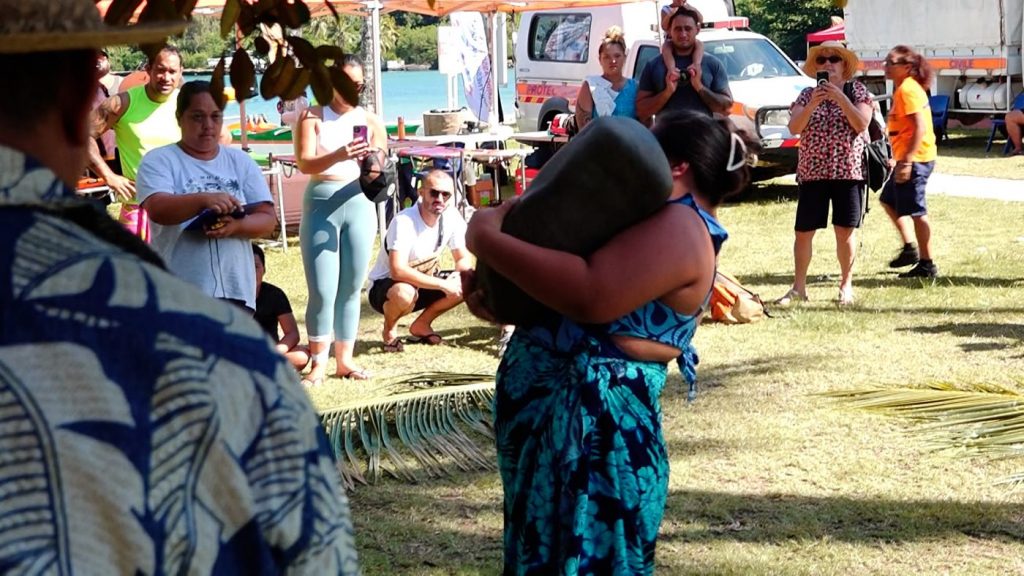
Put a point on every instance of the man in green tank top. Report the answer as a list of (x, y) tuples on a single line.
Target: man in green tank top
[(142, 119)]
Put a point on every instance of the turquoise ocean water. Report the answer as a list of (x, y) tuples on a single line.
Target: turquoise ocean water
[(406, 94)]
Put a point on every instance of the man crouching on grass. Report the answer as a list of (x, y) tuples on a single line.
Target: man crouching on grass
[(407, 276)]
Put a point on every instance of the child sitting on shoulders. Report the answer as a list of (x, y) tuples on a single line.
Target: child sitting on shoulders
[(273, 311), (666, 48)]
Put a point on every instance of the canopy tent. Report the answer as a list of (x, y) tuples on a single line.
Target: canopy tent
[(836, 32)]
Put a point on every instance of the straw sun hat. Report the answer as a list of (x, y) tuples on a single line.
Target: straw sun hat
[(57, 25), (831, 47)]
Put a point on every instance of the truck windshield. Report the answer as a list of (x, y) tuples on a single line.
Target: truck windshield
[(749, 58)]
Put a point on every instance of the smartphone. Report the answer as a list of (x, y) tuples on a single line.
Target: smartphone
[(360, 133), (821, 76)]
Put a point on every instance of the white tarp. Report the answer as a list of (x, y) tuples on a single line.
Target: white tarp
[(935, 26), (471, 44)]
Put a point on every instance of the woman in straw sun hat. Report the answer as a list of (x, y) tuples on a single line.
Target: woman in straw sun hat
[(831, 119), (157, 429)]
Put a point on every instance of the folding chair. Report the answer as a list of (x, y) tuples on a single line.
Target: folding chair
[(940, 116), (997, 123)]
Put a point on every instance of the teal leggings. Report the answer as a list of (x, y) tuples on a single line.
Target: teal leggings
[(336, 237)]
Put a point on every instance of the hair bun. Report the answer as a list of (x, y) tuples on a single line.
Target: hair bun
[(614, 34)]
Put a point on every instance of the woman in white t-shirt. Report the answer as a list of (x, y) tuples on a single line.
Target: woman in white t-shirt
[(338, 223), (206, 202)]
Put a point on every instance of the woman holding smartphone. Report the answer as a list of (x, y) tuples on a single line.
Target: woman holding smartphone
[(338, 223), (830, 166)]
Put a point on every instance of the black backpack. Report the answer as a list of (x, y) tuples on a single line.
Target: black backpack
[(378, 175), (878, 151)]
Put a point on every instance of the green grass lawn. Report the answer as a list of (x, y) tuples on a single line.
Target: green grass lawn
[(768, 476)]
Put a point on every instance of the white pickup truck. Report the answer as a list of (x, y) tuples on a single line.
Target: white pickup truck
[(973, 45), (556, 49)]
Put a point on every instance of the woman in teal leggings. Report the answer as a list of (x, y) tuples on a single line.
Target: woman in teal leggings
[(338, 224)]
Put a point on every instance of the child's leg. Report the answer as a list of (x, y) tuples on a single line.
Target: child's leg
[(698, 52), (668, 56)]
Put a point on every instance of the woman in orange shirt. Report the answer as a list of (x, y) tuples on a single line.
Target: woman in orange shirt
[(913, 150)]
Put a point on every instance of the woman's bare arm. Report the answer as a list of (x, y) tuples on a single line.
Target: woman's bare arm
[(666, 252)]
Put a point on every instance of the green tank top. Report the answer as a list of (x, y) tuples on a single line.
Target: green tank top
[(144, 126)]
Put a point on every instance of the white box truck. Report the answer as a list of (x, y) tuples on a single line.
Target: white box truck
[(973, 45), (556, 49)]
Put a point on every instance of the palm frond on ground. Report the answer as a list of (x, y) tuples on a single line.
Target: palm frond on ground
[(983, 419), (443, 420)]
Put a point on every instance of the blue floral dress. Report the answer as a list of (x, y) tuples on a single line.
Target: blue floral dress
[(580, 448)]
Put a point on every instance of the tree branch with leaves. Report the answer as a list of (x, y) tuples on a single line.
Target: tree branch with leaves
[(297, 63)]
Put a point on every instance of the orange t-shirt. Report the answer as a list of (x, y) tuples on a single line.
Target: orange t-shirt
[(908, 100)]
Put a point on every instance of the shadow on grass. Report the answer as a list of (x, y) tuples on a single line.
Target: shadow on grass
[(479, 337), (769, 192), (410, 529), (987, 330), (482, 338), (892, 279), (970, 143), (722, 375), (887, 279), (428, 528), (703, 516)]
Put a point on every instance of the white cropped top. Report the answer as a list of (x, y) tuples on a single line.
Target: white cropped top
[(336, 132)]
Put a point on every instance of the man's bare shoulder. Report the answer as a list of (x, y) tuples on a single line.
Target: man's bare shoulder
[(107, 114)]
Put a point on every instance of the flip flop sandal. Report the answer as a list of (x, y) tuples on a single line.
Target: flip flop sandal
[(310, 383), (394, 346), (432, 339), (359, 374)]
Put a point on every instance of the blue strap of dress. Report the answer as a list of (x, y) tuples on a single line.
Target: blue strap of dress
[(688, 360)]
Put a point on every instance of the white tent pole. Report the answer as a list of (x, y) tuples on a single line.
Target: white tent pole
[(492, 118), (378, 94), (457, 84)]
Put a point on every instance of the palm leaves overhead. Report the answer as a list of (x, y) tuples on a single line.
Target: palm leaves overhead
[(442, 420), (984, 419)]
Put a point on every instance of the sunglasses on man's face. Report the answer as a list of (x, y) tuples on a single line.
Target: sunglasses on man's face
[(443, 194), (833, 59), (360, 87)]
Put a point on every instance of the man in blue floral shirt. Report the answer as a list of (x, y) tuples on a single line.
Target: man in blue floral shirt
[(144, 427)]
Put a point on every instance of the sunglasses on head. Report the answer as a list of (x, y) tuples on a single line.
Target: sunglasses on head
[(833, 59), (443, 194)]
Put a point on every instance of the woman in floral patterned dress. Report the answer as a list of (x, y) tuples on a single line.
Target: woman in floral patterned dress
[(577, 412), (830, 168)]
